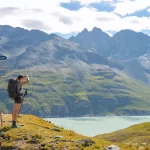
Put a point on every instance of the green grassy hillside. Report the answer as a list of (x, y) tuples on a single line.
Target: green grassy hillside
[(100, 93), (35, 133), (136, 135)]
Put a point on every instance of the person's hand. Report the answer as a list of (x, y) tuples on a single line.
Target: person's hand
[(26, 80), (27, 77)]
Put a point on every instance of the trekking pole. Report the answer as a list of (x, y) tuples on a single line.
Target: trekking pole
[(2, 58), (26, 92), (1, 119)]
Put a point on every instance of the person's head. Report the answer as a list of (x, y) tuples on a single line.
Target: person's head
[(20, 78)]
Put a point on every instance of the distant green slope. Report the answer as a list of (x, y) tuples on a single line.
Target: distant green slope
[(135, 134), (55, 94)]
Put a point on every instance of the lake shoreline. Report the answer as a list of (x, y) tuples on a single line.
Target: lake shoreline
[(92, 126), (99, 116)]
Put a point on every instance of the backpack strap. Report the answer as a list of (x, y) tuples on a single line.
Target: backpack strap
[(16, 89)]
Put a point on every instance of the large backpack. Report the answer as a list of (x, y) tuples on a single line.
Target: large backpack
[(12, 88)]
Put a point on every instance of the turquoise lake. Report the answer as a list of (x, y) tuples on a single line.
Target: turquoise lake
[(91, 126)]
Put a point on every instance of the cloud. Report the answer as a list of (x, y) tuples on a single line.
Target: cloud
[(6, 11), (34, 10), (35, 24), (67, 20), (105, 19), (11, 11), (124, 7), (51, 17), (136, 23)]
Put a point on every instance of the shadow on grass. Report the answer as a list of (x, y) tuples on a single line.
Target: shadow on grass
[(5, 129)]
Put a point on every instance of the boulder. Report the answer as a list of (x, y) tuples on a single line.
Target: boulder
[(58, 137), (113, 147), (56, 129), (85, 142)]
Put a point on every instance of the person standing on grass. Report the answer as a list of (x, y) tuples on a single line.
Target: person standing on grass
[(18, 99)]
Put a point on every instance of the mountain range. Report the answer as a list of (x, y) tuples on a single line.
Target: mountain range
[(127, 47), (91, 74)]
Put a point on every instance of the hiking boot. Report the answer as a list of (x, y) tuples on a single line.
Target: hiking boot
[(15, 126)]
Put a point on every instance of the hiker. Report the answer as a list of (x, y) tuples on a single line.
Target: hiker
[(21, 80)]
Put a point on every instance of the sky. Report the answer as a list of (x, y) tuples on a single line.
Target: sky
[(69, 17)]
